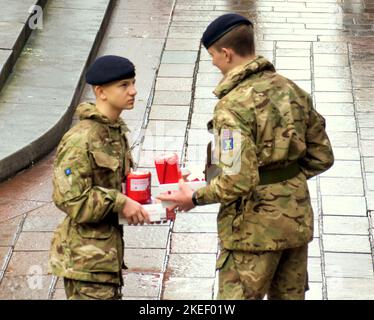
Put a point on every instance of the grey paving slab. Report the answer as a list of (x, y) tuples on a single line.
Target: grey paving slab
[(145, 30), (210, 208), (146, 236), (367, 148), (314, 249), (163, 97), (332, 47), (145, 260), (176, 70), (346, 243), (174, 84), (370, 200), (196, 153), (343, 139), (194, 243), (195, 222), (340, 123), (295, 74), (179, 57), (334, 72), (184, 35), (343, 97), (344, 169), (25, 287), (199, 137), (192, 265), (280, 52), (199, 121), (166, 128), (350, 289), (312, 186), (367, 133), (342, 186), (18, 11), (330, 60), (204, 105), (370, 181), (345, 225), (208, 79), (369, 164), (41, 223), (325, 84), (304, 84), (314, 269), (365, 121), (348, 265), (34, 241), (346, 153), (314, 292), (9, 229), (163, 143), (179, 288), (169, 113), (344, 205), (302, 63), (207, 67), (141, 284), (28, 263), (335, 109), (182, 44), (204, 92)]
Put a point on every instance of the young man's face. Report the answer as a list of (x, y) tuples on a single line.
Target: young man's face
[(220, 59), (120, 94)]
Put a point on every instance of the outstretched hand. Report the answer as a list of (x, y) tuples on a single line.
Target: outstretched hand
[(182, 198)]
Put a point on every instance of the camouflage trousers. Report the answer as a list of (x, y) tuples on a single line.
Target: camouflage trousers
[(282, 275), (83, 290)]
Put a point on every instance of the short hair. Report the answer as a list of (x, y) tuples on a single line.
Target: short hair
[(240, 39)]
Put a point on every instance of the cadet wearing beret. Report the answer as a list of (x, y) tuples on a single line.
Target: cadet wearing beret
[(221, 26), (92, 161), (269, 141)]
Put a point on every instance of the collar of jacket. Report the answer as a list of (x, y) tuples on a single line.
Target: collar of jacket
[(239, 73), (88, 110)]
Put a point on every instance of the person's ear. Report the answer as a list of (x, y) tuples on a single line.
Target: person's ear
[(227, 54), (100, 92)]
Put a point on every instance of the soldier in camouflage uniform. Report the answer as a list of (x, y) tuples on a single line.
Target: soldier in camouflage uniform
[(269, 141), (91, 163)]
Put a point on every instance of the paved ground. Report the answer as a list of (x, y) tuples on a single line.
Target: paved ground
[(325, 46), (31, 87)]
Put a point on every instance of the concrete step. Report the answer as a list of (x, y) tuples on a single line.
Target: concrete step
[(39, 98), (15, 30)]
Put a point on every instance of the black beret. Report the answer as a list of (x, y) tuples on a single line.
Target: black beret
[(109, 68), (220, 26)]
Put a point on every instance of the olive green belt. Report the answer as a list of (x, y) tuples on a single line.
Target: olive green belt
[(279, 174)]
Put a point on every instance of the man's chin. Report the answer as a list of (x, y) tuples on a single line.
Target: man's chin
[(128, 107)]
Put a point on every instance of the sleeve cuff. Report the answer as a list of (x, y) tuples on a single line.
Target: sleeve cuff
[(119, 202), (204, 196)]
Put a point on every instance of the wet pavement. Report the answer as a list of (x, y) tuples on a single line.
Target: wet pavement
[(31, 91), (327, 47)]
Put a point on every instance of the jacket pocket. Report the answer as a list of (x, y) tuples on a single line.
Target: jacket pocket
[(105, 169), (94, 248), (103, 231), (104, 160)]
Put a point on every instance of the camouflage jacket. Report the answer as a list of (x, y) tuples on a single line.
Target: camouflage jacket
[(91, 163), (264, 120)]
